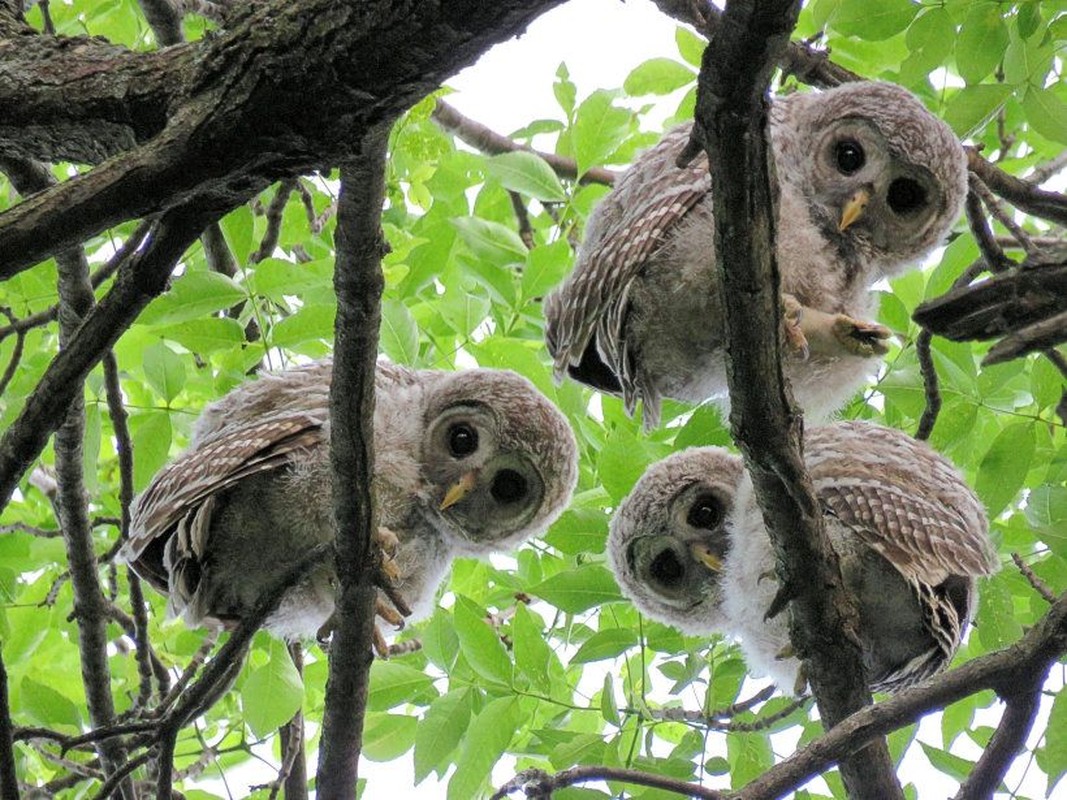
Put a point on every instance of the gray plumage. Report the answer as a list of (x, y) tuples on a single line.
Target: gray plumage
[(466, 463), (870, 183), (690, 548)]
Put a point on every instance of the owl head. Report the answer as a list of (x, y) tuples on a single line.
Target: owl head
[(670, 536), (883, 177), (501, 458)]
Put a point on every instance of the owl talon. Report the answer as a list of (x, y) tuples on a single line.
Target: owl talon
[(861, 337), (792, 328)]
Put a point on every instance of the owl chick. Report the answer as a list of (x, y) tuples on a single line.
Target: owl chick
[(466, 463), (870, 182), (690, 548)]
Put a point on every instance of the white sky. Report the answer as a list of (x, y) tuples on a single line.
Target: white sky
[(600, 41)]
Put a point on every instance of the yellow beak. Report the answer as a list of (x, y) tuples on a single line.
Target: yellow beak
[(854, 208), (458, 490), (703, 554)]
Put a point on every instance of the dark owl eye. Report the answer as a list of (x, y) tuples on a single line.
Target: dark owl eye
[(666, 568), (705, 513), (849, 156), (508, 487), (905, 196), (462, 440)]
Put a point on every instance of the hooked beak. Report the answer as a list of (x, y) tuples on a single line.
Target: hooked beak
[(853, 209), (702, 553), (458, 490)]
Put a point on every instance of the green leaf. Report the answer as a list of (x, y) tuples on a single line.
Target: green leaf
[(599, 129), (528, 174), (608, 708), (164, 370), (1027, 62), (874, 21), (463, 309), (981, 42), (399, 335), (388, 736), (605, 644), (278, 279), (749, 755), (532, 653), (1004, 466), (193, 296), (545, 267), (151, 434), (272, 693), (623, 461), (205, 335), (1052, 757), (997, 626), (480, 644), (690, 46), (579, 589), (490, 241), (973, 106), (393, 684), (440, 731), (309, 323), (487, 737), (948, 763), (658, 76), (1047, 113), (46, 706)]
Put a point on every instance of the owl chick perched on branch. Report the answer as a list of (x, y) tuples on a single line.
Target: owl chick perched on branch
[(690, 548), (466, 463), (870, 183)]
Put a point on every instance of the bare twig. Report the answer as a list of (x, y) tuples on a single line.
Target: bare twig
[(274, 213), (1020, 193), (536, 783), (488, 141)]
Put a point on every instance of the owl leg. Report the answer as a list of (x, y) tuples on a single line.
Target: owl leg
[(842, 335), (796, 339)]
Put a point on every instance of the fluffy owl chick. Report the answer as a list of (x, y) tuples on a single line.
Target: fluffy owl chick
[(690, 548), (466, 463), (870, 182)]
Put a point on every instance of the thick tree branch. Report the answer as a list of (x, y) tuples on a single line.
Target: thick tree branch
[(358, 282), (140, 279), (238, 117), (730, 125), (9, 785)]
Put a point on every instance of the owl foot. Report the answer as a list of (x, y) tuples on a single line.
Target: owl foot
[(861, 337), (796, 341)]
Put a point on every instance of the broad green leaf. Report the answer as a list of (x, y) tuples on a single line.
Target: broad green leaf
[(151, 434), (749, 755), (164, 370), (393, 683), (545, 267), (528, 174), (605, 644), (193, 296), (658, 76), (1027, 62), (1047, 113), (463, 309), (277, 279), (490, 241), (874, 21), (480, 643), (1052, 757), (1004, 466), (579, 589), (998, 626), (272, 693), (981, 42), (309, 323), (388, 736), (948, 763), (599, 129), (487, 737), (47, 706), (971, 107), (622, 462), (564, 90), (608, 708), (532, 653), (690, 46), (440, 731), (399, 335), (205, 336)]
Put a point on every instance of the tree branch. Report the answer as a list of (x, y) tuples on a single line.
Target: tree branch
[(358, 282), (9, 785), (731, 118), (237, 118)]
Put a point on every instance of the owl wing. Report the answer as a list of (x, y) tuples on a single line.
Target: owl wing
[(926, 540), (181, 495), (586, 318)]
